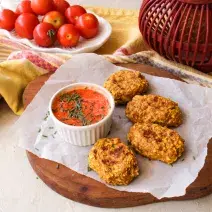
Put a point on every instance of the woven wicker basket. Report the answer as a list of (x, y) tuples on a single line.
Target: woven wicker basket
[(180, 30)]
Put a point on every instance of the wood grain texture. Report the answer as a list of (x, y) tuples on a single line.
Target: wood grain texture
[(85, 190)]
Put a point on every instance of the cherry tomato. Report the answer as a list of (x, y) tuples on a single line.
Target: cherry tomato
[(55, 18), (60, 5), (68, 36), (25, 25), (7, 19), (45, 34), (24, 7), (73, 13), (41, 7), (88, 25)]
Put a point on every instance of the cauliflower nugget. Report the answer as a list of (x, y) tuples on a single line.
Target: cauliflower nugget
[(156, 142), (114, 161), (154, 109), (124, 85)]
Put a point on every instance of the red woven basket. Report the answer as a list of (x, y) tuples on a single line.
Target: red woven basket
[(180, 30)]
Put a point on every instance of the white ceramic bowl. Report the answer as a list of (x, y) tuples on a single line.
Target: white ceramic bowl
[(84, 135)]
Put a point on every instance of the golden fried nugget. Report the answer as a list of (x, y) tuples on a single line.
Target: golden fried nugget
[(115, 163), (124, 85), (154, 109), (156, 142)]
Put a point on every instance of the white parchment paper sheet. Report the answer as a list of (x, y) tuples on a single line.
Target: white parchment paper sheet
[(157, 178)]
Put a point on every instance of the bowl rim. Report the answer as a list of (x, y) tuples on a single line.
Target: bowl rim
[(86, 84)]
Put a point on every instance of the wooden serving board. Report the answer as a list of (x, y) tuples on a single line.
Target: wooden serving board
[(85, 190)]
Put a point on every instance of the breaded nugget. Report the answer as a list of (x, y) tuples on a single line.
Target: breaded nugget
[(124, 85), (154, 109), (156, 142), (115, 163)]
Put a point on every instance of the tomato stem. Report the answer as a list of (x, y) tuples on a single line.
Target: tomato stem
[(51, 33)]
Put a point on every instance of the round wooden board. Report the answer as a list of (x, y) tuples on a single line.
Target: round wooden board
[(85, 190)]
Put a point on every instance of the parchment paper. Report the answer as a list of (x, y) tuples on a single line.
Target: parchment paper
[(36, 133)]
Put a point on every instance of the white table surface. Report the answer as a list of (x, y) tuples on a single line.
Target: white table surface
[(21, 191)]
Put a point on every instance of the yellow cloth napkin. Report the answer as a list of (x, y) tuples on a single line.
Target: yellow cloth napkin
[(14, 77), (125, 30)]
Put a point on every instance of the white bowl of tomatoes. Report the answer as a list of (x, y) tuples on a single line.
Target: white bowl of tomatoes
[(54, 26)]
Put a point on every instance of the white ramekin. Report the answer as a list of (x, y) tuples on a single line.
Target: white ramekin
[(84, 135)]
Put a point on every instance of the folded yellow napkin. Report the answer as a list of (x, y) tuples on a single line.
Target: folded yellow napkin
[(14, 77), (124, 46)]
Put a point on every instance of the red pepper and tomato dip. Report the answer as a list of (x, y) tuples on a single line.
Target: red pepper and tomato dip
[(80, 107)]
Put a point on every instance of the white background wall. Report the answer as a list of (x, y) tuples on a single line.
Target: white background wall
[(127, 4)]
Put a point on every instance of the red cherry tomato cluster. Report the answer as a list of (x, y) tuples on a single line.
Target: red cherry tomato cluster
[(60, 21)]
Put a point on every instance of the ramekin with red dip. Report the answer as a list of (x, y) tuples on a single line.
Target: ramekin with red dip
[(82, 113)]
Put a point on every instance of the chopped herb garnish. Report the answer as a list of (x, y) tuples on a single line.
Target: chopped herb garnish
[(39, 130), (55, 132), (76, 112), (53, 136), (37, 149), (45, 136), (51, 128), (194, 158), (171, 165), (119, 117), (45, 118), (58, 166), (66, 97), (73, 109), (183, 159), (47, 115), (37, 178), (113, 145), (89, 169)]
